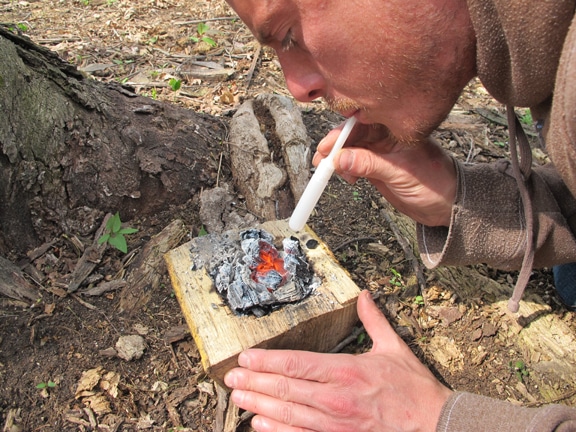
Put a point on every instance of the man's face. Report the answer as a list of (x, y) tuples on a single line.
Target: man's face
[(401, 63)]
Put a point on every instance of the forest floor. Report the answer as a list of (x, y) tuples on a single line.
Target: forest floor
[(56, 370)]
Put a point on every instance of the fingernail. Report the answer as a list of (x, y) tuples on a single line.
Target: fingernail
[(346, 160), (237, 397), (230, 379), (244, 360)]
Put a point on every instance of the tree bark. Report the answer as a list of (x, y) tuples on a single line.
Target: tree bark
[(73, 149)]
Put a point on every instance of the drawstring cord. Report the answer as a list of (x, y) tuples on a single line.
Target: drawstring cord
[(521, 168)]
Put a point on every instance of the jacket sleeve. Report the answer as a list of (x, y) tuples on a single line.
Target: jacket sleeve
[(473, 413), (487, 222)]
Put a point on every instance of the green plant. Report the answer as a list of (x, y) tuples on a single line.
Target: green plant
[(356, 196), (527, 118), (114, 233), (396, 279), (85, 2), (175, 84), (43, 385), (361, 338), (519, 369), (202, 231), (419, 300), (201, 31)]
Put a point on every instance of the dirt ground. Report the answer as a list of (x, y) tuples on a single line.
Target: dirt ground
[(57, 372)]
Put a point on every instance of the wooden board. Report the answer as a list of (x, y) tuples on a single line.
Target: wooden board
[(317, 323)]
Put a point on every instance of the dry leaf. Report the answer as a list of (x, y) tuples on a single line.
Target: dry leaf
[(88, 380)]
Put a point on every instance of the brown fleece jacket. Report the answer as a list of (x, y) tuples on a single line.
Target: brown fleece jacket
[(519, 53), (526, 56)]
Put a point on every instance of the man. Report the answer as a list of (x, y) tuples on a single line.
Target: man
[(398, 66)]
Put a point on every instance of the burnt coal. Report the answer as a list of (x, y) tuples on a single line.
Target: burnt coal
[(251, 274)]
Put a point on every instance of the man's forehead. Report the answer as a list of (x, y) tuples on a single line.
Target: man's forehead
[(260, 15)]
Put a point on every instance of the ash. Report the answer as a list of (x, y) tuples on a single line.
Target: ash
[(251, 274)]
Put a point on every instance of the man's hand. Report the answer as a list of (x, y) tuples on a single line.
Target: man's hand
[(385, 389), (418, 178)]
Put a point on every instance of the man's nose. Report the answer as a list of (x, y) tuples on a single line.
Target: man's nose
[(303, 79)]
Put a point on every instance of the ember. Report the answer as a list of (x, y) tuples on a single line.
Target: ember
[(269, 261), (251, 274)]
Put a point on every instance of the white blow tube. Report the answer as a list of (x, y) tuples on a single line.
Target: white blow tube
[(319, 181)]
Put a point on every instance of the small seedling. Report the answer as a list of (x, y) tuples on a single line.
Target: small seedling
[(114, 233), (43, 385), (396, 279), (519, 368), (361, 338), (527, 118), (419, 300), (202, 231), (175, 84), (356, 196), (201, 31)]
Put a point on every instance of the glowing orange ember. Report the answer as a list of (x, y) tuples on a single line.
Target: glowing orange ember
[(269, 260)]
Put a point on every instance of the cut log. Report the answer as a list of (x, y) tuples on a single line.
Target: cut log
[(543, 338), (270, 155), (316, 323)]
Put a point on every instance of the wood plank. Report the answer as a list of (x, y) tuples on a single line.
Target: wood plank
[(316, 323)]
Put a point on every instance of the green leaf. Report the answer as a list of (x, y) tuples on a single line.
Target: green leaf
[(41, 386), (51, 384), (202, 28), (119, 242), (117, 223), (209, 41), (104, 238), (202, 232), (128, 231), (175, 84)]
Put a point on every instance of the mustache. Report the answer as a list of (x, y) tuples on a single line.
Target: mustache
[(342, 105)]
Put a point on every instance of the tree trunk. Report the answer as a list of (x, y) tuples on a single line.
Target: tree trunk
[(72, 149)]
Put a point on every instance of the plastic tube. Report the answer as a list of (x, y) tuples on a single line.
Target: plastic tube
[(319, 180)]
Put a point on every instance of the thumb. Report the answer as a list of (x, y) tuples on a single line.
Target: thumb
[(360, 162), (377, 326)]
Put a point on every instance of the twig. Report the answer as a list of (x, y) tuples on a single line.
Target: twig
[(253, 66), (353, 336), (228, 18), (219, 169), (560, 398)]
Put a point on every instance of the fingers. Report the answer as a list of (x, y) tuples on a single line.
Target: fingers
[(264, 424), (276, 415), (360, 136), (279, 387), (294, 364)]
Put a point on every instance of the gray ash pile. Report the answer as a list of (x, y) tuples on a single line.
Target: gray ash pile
[(251, 274)]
